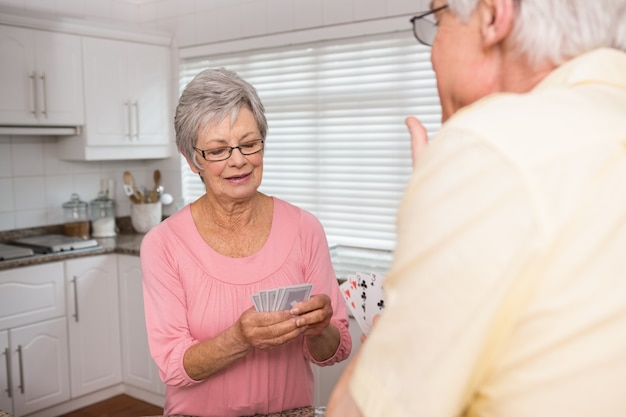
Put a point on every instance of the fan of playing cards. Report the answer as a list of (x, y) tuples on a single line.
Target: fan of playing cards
[(282, 298), (365, 298)]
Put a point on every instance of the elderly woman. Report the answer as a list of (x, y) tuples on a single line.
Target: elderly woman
[(217, 355)]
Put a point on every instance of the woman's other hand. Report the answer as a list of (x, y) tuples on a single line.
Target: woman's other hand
[(313, 314), (266, 330)]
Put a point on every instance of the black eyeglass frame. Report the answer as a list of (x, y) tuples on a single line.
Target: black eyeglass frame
[(230, 150), (414, 21)]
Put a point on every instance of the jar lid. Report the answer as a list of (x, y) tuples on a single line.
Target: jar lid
[(74, 202), (102, 200)]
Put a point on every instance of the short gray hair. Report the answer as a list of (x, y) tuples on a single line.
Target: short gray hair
[(211, 96), (557, 30)]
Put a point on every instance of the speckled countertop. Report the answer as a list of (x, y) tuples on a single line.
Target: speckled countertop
[(126, 242)]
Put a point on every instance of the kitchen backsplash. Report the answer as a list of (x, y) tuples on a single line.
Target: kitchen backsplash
[(34, 182)]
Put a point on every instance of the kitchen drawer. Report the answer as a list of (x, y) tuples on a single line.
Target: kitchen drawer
[(31, 294)]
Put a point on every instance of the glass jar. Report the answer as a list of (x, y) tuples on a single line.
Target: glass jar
[(76, 215), (102, 216)]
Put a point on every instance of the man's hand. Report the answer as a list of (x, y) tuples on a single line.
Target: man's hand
[(419, 137)]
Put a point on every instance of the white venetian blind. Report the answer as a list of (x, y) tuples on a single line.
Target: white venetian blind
[(337, 144)]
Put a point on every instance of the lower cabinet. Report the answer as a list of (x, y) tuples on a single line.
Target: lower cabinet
[(139, 370), (36, 366), (93, 319)]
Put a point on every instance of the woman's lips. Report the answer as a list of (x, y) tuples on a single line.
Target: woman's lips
[(238, 178)]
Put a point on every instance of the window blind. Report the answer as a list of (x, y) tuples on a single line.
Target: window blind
[(337, 144)]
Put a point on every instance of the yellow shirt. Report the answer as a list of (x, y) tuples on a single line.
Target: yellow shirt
[(507, 296)]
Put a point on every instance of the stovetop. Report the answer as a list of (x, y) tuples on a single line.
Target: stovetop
[(55, 243), (8, 252)]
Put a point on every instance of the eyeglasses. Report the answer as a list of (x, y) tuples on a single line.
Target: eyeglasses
[(425, 26), (224, 152)]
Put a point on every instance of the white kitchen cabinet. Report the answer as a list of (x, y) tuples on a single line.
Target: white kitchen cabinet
[(31, 294), (33, 338), (139, 368), (42, 81), (39, 366), (6, 402), (126, 101), (93, 323)]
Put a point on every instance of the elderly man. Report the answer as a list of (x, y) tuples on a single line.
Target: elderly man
[(507, 295)]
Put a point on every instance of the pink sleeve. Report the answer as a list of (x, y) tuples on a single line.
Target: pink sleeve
[(319, 270), (165, 308)]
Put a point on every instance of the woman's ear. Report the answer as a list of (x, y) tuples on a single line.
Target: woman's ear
[(192, 166), (496, 20)]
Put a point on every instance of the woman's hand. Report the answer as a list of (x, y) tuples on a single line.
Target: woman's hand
[(266, 330), (313, 314)]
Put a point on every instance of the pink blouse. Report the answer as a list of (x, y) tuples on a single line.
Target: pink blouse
[(192, 293)]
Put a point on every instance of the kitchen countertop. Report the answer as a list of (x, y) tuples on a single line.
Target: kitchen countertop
[(124, 243)]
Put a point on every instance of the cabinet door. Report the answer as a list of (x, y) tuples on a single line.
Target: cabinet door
[(17, 79), (59, 78), (107, 99), (31, 293), (39, 364), (149, 80), (6, 402), (93, 322), (139, 368)]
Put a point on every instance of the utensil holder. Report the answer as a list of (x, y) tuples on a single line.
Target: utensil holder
[(144, 217)]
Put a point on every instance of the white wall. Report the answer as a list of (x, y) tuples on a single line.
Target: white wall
[(34, 182)]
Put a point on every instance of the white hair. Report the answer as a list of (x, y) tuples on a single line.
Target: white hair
[(557, 30)]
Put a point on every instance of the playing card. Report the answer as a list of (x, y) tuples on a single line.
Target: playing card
[(294, 294), (375, 303), (364, 297), (351, 294), (282, 298)]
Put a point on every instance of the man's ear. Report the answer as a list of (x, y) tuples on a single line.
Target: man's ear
[(496, 20)]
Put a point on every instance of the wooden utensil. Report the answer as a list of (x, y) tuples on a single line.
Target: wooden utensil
[(136, 197), (153, 195)]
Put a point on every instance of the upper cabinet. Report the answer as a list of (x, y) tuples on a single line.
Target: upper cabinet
[(41, 78), (126, 102)]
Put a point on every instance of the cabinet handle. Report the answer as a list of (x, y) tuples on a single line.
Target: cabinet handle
[(129, 117), (44, 111), (75, 282), (137, 130), (8, 363), (33, 84), (19, 356)]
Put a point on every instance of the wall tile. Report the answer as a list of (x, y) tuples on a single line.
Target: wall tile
[(185, 30), (28, 156), (7, 220), (29, 193), (6, 194), (6, 162), (30, 218)]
